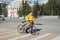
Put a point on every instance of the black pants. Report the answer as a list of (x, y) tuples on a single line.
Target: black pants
[(30, 26)]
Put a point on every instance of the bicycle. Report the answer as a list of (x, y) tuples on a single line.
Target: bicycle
[(22, 29)]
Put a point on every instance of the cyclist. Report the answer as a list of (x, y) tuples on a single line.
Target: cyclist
[(29, 19)]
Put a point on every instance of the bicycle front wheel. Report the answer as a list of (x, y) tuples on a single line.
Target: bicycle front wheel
[(20, 29)]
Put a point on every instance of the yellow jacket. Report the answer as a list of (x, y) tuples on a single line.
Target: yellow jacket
[(29, 18)]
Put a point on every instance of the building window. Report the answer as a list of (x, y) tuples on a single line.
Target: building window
[(9, 8), (14, 8), (17, 8)]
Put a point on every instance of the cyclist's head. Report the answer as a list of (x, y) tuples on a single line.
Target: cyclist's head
[(30, 12)]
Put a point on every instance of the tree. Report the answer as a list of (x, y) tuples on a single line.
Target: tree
[(53, 6), (58, 2), (25, 8), (19, 12), (36, 9), (0, 10), (45, 8), (3, 9)]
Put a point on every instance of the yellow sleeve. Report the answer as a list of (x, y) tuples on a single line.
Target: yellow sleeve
[(26, 18)]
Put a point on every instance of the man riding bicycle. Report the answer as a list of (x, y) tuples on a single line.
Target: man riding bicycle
[(29, 19)]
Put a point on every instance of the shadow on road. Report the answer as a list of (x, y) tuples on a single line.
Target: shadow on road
[(36, 31), (38, 24)]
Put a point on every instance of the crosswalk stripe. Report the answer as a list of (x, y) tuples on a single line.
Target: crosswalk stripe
[(8, 35), (31, 36), (49, 37), (7, 32), (20, 37), (3, 30), (56, 38), (40, 37)]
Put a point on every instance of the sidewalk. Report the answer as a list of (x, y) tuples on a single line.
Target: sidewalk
[(48, 17)]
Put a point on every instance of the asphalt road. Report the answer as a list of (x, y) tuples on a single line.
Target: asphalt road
[(48, 25)]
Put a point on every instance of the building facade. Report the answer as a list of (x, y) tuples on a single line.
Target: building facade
[(13, 8)]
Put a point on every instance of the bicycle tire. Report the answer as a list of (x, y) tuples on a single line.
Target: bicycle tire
[(34, 29), (20, 29)]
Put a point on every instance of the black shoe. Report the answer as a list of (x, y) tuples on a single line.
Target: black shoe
[(27, 32)]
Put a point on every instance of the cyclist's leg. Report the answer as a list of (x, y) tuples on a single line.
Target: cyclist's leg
[(27, 26), (31, 26)]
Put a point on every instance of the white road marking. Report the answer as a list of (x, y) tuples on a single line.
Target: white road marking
[(7, 32), (42, 36), (20, 37), (1, 30), (56, 38), (8, 35)]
